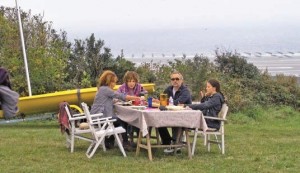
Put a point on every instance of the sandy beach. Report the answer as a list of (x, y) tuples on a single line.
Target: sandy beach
[(275, 63)]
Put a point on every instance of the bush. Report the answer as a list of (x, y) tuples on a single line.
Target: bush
[(243, 85)]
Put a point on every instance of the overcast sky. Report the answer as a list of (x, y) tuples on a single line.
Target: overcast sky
[(153, 14), (92, 16)]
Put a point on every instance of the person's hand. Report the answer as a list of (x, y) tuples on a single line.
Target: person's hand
[(136, 98), (155, 100), (132, 98), (202, 94), (187, 108), (116, 100)]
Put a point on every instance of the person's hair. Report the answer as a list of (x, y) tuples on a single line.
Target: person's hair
[(216, 84), (176, 72), (4, 77), (131, 75), (106, 78)]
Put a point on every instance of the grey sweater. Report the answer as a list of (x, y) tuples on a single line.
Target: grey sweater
[(103, 102), (8, 100)]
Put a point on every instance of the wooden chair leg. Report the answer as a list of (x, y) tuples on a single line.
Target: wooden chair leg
[(208, 142), (223, 144)]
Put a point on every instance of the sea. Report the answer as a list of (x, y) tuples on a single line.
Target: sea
[(275, 48), (275, 63)]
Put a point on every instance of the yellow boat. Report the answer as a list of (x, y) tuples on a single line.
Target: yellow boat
[(49, 102)]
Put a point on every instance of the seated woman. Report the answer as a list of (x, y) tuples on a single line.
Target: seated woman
[(131, 86), (8, 98), (211, 103), (104, 101)]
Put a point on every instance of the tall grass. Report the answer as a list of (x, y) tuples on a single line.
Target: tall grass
[(263, 140)]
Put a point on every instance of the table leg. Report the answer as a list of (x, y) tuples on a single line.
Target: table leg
[(179, 134), (188, 143), (157, 136), (149, 147), (138, 143), (178, 138)]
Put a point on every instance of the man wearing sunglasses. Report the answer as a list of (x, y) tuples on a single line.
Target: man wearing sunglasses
[(180, 95)]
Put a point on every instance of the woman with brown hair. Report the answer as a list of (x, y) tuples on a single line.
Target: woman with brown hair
[(104, 101), (211, 102), (131, 85)]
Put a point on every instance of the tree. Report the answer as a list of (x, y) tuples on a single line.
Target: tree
[(121, 66), (87, 61), (47, 52), (235, 66)]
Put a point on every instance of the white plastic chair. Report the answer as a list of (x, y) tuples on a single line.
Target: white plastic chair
[(75, 132), (100, 128), (211, 131)]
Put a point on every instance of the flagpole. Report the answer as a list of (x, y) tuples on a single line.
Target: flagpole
[(23, 48)]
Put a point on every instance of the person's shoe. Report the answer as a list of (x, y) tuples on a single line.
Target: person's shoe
[(168, 150), (178, 150), (127, 146), (109, 142), (133, 145)]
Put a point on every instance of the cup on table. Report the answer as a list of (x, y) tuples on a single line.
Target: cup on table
[(137, 102), (163, 98), (149, 102)]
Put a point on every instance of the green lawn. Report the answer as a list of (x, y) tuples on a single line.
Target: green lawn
[(268, 145)]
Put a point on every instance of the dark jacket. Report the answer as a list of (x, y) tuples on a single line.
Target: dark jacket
[(210, 106), (8, 98), (4, 78), (182, 96), (9, 101)]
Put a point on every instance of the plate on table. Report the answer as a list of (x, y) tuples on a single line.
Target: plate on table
[(155, 105), (175, 108), (138, 107), (129, 103)]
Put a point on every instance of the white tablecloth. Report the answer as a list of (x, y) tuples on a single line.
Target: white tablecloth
[(143, 119)]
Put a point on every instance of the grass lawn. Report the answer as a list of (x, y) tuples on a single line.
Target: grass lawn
[(270, 144)]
